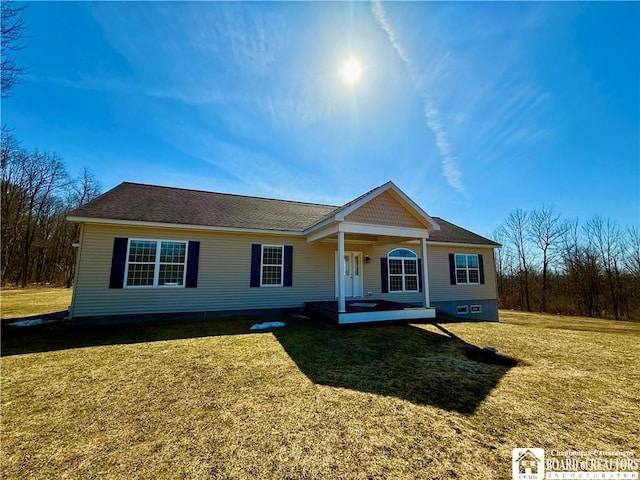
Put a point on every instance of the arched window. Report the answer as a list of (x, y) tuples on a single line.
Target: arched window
[(403, 270)]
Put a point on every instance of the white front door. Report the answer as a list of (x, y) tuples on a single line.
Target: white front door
[(352, 274)]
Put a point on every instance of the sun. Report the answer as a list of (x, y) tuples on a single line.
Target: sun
[(351, 71)]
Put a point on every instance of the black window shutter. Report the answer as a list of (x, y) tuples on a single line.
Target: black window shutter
[(118, 260), (256, 259), (288, 266), (420, 275), (384, 275), (452, 269), (192, 265), (481, 265)]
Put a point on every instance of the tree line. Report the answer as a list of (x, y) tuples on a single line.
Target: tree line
[(36, 191), (559, 265), (36, 195)]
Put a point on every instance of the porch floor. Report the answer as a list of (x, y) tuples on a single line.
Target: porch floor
[(369, 310)]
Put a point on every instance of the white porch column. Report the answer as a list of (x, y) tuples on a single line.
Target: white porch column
[(425, 273), (341, 304)]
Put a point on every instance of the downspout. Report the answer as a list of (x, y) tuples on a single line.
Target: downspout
[(75, 279)]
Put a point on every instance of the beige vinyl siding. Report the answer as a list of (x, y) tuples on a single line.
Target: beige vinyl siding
[(372, 275), (440, 288), (384, 210), (225, 271), (223, 276)]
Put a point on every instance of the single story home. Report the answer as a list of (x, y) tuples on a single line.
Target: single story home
[(148, 249)]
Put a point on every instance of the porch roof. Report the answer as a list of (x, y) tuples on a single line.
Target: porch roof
[(367, 233)]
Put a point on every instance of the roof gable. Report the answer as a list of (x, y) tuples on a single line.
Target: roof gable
[(385, 210), (410, 207)]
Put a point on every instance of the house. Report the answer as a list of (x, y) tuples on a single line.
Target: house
[(148, 249), (528, 464)]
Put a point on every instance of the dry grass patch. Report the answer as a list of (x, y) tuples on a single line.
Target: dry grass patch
[(574, 390), (545, 320), (207, 400), (27, 302)]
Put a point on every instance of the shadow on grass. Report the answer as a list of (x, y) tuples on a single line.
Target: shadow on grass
[(402, 361), (62, 336), (43, 316)]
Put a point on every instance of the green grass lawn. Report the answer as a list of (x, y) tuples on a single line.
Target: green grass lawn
[(209, 399)]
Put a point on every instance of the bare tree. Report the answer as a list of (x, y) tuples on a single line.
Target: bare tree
[(12, 199), (590, 269), (8, 145), (632, 259), (515, 230), (44, 174), (606, 238), (545, 230), (30, 182), (631, 276), (581, 269), (500, 257), (84, 189), (13, 25), (36, 195)]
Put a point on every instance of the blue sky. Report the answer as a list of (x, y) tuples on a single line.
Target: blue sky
[(473, 109)]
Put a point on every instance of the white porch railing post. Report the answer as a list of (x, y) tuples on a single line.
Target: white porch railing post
[(425, 273), (341, 302)]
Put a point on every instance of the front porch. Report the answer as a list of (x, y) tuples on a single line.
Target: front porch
[(360, 230), (369, 310)]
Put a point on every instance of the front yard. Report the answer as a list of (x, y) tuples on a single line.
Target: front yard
[(26, 302), (209, 399)]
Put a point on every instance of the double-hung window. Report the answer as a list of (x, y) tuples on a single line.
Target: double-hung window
[(467, 269), (156, 263), (272, 265), (403, 270)]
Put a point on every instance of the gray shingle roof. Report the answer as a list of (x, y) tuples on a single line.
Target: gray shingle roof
[(451, 233), (150, 203), (339, 209)]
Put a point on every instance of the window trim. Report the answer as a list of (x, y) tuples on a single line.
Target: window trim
[(466, 269), (156, 263), (478, 309), (462, 309), (262, 264), (403, 275)]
